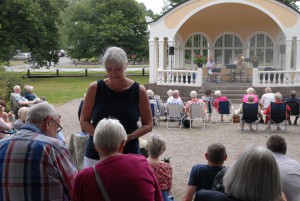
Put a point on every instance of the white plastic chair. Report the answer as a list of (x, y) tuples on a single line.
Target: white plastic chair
[(197, 112), (174, 113)]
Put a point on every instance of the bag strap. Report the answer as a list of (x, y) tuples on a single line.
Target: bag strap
[(100, 185)]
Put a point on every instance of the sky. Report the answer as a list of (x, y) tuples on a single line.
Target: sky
[(154, 5)]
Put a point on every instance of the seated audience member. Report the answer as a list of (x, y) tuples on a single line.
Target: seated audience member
[(203, 175), (35, 165), (250, 100), (289, 168), (124, 176), (193, 95), (155, 147), (176, 99), (254, 176), (29, 94), (278, 99), (150, 94), (169, 93), (292, 98), (250, 92), (208, 99), (267, 98), (19, 98), (22, 112), (5, 124), (219, 98)]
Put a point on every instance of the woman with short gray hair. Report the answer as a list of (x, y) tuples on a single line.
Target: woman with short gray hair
[(155, 147), (250, 92), (124, 176), (119, 97), (194, 100)]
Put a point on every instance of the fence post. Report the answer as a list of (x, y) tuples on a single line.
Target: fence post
[(28, 73), (57, 73), (86, 72), (143, 72)]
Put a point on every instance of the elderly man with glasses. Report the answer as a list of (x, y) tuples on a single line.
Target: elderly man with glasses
[(34, 164)]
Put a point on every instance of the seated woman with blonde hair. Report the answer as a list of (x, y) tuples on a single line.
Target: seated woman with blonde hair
[(156, 146)]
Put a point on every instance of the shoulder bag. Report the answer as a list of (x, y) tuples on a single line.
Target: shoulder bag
[(100, 185)]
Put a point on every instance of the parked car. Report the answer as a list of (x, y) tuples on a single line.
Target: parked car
[(22, 56)]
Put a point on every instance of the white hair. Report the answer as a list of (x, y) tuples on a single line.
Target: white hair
[(22, 113), (169, 92), (156, 145), (150, 93), (193, 94), (254, 176), (115, 55), (250, 90), (37, 113), (268, 90), (108, 135), (218, 93), (278, 96), (16, 87)]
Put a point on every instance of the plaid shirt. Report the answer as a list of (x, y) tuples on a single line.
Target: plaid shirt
[(35, 167)]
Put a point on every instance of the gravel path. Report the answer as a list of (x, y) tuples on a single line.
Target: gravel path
[(187, 147)]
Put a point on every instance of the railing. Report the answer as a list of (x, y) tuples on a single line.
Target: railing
[(179, 77), (285, 78)]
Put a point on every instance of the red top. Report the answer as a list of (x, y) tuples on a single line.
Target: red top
[(125, 177), (163, 172), (221, 98)]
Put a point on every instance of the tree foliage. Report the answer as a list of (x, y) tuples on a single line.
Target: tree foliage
[(94, 25), (30, 26)]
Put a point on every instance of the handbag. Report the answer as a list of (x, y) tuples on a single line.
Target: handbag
[(100, 185), (236, 118)]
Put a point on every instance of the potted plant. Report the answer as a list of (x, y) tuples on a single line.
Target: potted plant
[(200, 60)]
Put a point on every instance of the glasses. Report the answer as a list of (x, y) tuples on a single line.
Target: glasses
[(59, 126)]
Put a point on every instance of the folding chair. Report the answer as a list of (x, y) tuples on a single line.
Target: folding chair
[(14, 106), (295, 109), (249, 116), (277, 116), (197, 113), (155, 112), (174, 113), (224, 108)]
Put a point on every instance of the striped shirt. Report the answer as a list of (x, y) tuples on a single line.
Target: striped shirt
[(35, 167)]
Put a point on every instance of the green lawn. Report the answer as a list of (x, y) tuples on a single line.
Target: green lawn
[(63, 89)]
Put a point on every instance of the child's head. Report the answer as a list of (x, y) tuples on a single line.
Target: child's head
[(208, 92), (156, 145), (216, 154)]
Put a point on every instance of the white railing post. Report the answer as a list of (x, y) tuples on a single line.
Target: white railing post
[(199, 77), (255, 77)]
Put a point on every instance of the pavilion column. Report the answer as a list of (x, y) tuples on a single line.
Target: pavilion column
[(171, 57), (288, 53), (152, 58), (297, 64), (161, 55)]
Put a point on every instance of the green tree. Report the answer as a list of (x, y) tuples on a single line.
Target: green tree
[(94, 25), (30, 26)]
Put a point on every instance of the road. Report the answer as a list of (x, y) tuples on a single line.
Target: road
[(65, 64)]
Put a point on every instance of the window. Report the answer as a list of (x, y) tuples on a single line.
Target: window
[(227, 47), (195, 44), (262, 46)]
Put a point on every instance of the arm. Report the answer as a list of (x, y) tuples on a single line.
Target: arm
[(189, 193), (87, 109), (5, 126), (146, 115)]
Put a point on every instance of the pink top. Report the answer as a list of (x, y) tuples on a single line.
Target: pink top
[(125, 177), (221, 98), (245, 98)]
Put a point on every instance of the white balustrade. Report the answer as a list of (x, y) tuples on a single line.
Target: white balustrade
[(179, 77)]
